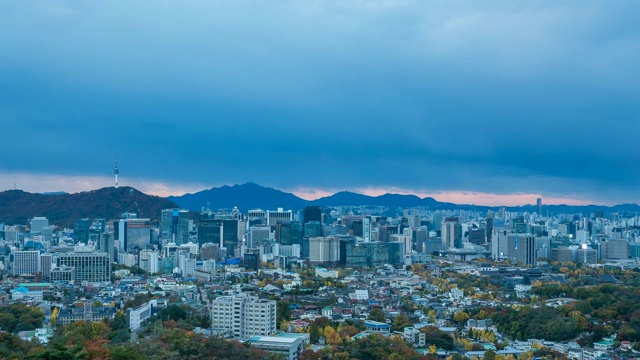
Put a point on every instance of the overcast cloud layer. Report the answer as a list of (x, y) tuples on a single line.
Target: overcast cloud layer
[(495, 96)]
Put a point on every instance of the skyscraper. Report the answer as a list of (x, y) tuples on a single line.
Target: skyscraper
[(312, 213), (539, 205), (521, 248), (451, 233), (288, 233), (174, 226), (132, 234)]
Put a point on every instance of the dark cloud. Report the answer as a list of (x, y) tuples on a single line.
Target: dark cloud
[(494, 97)]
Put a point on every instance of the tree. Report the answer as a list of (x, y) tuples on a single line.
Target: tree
[(377, 315), (333, 338), (284, 325), (432, 316), (347, 331), (461, 317), (399, 323), (489, 355), (314, 333)]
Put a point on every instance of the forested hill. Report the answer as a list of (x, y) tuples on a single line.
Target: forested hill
[(17, 207)]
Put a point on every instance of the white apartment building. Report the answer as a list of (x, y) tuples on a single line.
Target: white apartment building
[(244, 316)]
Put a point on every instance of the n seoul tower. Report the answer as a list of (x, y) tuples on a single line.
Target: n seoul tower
[(116, 172)]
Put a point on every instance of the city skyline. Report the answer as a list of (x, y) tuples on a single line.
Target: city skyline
[(496, 103)]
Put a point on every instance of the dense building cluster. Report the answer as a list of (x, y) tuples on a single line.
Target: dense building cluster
[(343, 264)]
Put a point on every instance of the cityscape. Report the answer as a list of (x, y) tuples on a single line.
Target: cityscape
[(323, 282), (319, 180)]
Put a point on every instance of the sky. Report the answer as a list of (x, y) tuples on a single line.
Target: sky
[(492, 102)]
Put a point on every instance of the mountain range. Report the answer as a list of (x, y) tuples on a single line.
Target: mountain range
[(62, 209), (253, 196)]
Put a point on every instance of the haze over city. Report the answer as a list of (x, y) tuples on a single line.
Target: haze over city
[(494, 103)]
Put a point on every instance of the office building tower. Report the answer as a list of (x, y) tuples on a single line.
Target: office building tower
[(244, 316), (451, 233), (97, 235), (324, 250), (81, 231), (477, 235), (230, 235), (46, 263), (89, 266), (26, 262), (210, 231), (356, 255), (614, 250), (344, 243), (489, 226), (313, 229), (37, 224), (436, 220), (251, 260), (225, 233), (385, 232), (406, 240), (585, 255), (288, 233), (499, 241), (521, 248), (149, 261), (312, 213), (210, 251), (366, 229), (279, 215), (258, 234), (539, 206), (377, 253), (396, 252), (132, 234), (257, 217), (563, 254), (174, 226)]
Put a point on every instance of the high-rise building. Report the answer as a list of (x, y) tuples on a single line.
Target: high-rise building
[(377, 253), (46, 263), (279, 215), (324, 250), (149, 261), (521, 248), (499, 241), (132, 234), (288, 233), (37, 224), (81, 231), (210, 231), (244, 316), (477, 236), (251, 260), (539, 206), (258, 234), (614, 249), (313, 229), (174, 226), (451, 233), (89, 266), (230, 235), (26, 262), (312, 213)]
